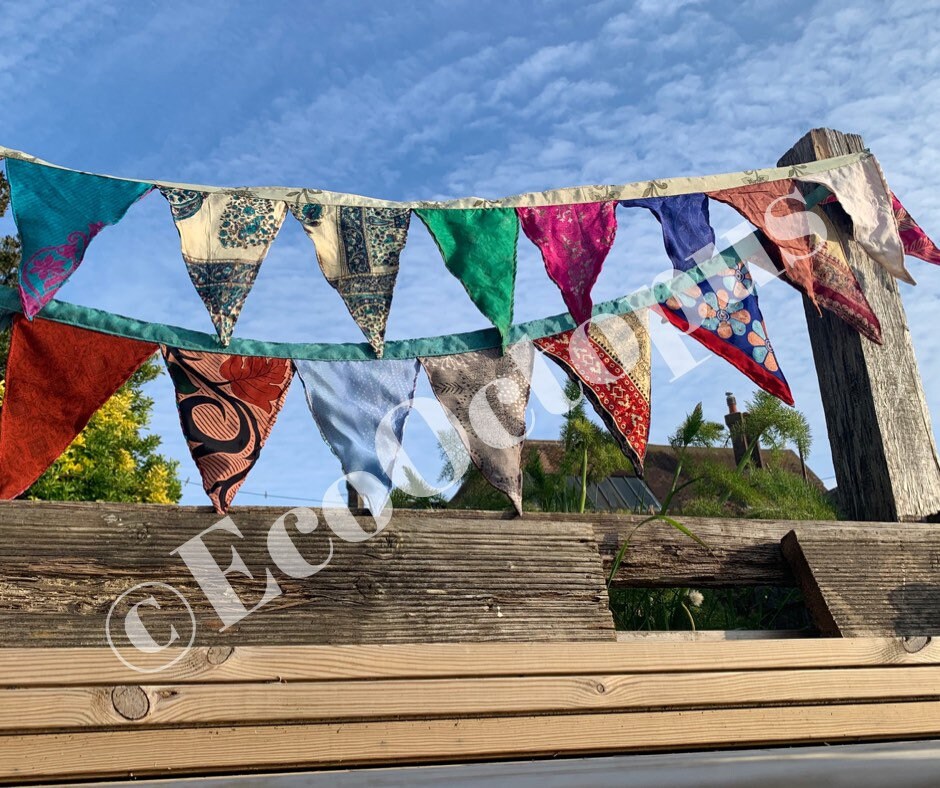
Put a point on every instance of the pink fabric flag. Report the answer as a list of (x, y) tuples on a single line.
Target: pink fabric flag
[(916, 242), (574, 241)]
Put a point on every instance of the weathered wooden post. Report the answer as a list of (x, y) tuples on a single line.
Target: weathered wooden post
[(879, 427)]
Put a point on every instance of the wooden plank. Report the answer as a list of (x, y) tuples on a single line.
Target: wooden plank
[(37, 667), (883, 446), (75, 708), (869, 582), (420, 580), (143, 752)]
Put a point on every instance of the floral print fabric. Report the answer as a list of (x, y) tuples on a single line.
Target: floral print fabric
[(611, 362), (502, 383), (225, 238), (227, 406), (57, 213), (358, 250), (723, 312), (916, 242), (574, 241)]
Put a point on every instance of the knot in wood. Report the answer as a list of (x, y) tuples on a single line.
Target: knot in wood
[(130, 702), (914, 644), (216, 655)]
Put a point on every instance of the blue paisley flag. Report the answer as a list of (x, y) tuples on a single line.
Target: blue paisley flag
[(225, 237), (349, 400), (57, 213), (358, 251)]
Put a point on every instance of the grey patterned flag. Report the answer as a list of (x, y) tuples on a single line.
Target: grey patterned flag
[(486, 394), (358, 251)]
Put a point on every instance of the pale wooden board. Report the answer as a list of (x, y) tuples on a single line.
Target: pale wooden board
[(207, 750), (56, 708), (869, 581), (36, 667), (419, 580)]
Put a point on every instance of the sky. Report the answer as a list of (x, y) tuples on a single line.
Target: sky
[(438, 100)]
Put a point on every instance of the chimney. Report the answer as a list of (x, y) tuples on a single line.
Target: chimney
[(735, 421)]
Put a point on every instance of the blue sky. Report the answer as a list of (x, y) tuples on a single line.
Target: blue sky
[(445, 99)]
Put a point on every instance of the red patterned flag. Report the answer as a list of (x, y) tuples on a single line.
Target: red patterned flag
[(916, 242), (227, 405), (613, 367), (57, 377)]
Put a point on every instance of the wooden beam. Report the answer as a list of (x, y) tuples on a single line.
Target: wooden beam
[(882, 442), (137, 752), (869, 581)]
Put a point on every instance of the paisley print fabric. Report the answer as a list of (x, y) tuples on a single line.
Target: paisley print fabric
[(225, 238), (479, 248), (358, 251), (57, 377), (574, 241), (57, 213), (611, 362), (227, 406), (916, 242), (485, 394), (719, 312), (349, 400)]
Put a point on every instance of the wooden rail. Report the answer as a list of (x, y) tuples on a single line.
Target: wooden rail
[(69, 714)]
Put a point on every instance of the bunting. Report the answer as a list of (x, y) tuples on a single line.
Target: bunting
[(485, 395), (611, 362), (349, 400), (479, 248), (574, 241), (722, 312), (225, 238), (862, 192), (916, 242), (57, 213), (358, 251), (836, 286), (227, 406), (57, 378), (777, 208)]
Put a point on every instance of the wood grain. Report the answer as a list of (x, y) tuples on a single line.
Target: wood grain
[(141, 752), (77, 708), (880, 433), (869, 582)]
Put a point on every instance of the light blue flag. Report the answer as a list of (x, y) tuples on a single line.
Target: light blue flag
[(57, 213), (349, 400)]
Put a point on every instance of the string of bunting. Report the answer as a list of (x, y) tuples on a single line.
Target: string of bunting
[(229, 390)]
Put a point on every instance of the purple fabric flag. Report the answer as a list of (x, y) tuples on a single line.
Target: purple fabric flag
[(574, 241)]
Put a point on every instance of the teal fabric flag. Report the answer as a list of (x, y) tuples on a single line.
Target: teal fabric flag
[(349, 400), (57, 213), (479, 248)]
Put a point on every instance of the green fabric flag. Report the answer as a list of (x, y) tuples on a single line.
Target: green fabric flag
[(479, 248)]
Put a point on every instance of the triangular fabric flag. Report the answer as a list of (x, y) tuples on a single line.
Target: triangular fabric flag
[(777, 209), (492, 425), (916, 242), (225, 237), (348, 400), (358, 251), (574, 241), (58, 376), (834, 282), (724, 311), (479, 248), (57, 213), (862, 192), (611, 362), (227, 406)]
